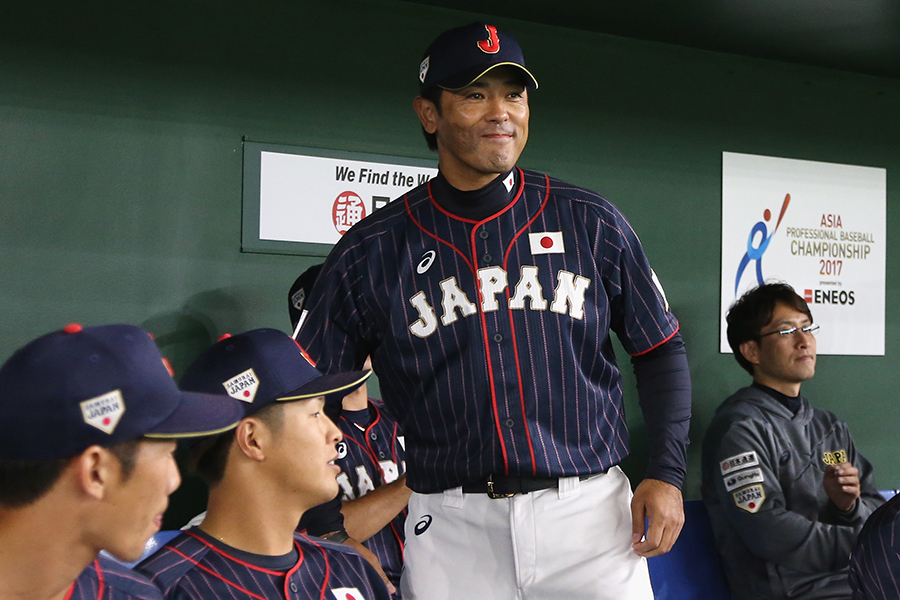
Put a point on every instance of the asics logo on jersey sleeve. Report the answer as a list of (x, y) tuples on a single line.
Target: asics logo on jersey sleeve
[(568, 297), (426, 261)]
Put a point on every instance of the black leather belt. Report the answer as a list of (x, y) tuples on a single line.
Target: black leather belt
[(506, 486)]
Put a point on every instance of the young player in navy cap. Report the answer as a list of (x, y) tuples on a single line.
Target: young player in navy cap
[(88, 422), (486, 298), (275, 465)]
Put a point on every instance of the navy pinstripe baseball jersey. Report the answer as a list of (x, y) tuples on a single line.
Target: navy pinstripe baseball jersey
[(106, 579), (491, 338), (875, 562), (194, 566), (372, 455)]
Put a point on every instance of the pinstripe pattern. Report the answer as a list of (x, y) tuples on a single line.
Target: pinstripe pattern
[(875, 562), (480, 387), (106, 579), (189, 567), (382, 459)]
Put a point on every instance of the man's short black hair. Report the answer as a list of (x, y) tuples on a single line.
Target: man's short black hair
[(433, 95), (208, 458), (22, 482), (753, 311)]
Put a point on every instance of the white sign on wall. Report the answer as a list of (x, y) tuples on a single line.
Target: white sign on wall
[(819, 227), (317, 199)]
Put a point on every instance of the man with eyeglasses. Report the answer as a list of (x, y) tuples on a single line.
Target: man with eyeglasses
[(786, 489)]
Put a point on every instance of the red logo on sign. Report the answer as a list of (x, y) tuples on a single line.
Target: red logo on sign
[(349, 209)]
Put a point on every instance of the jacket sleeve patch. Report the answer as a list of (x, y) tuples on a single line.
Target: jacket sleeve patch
[(740, 461), (750, 498), (742, 478)]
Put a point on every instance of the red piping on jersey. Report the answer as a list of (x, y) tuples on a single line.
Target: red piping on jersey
[(484, 333), (650, 349), (512, 325), (216, 575), (101, 584), (239, 561), (493, 216), (327, 571), (295, 568), (431, 235)]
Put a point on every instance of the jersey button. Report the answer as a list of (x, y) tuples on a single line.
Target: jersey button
[(486, 258), (374, 436), (498, 337), (483, 234), (509, 423), (381, 455), (293, 587)]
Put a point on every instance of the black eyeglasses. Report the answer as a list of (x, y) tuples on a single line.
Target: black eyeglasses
[(810, 329)]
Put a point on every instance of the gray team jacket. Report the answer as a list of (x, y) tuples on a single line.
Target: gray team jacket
[(777, 532)]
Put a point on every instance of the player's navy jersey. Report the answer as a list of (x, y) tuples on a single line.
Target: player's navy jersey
[(491, 338), (106, 579), (194, 566), (370, 457), (875, 562)]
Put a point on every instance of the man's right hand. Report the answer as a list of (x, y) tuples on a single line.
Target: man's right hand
[(841, 483)]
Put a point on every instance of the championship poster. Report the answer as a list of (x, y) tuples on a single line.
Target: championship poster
[(819, 227)]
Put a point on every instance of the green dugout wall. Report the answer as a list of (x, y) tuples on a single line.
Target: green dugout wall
[(120, 165)]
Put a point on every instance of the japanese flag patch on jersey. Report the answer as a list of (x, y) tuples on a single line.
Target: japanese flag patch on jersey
[(546, 242), (242, 386), (750, 498), (347, 593), (740, 461)]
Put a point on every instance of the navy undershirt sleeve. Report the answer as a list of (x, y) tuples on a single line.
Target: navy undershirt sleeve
[(324, 518), (664, 393)]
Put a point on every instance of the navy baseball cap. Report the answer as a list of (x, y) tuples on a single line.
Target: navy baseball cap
[(80, 386), (263, 366), (460, 56), (299, 293)]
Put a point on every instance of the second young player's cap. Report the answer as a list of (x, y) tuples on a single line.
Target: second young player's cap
[(80, 386), (263, 366), (461, 55)]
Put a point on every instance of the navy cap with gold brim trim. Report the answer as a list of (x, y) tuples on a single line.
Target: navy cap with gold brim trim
[(460, 56), (263, 366), (84, 386)]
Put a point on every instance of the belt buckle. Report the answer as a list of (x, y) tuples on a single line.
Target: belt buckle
[(493, 495)]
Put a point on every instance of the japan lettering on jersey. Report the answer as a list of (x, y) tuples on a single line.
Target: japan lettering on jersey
[(491, 338), (370, 457), (191, 567)]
